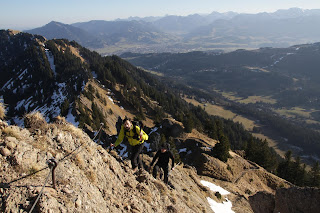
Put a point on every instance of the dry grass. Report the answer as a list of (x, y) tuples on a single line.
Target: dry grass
[(213, 109), (161, 187), (41, 144), (34, 168), (2, 111), (78, 133), (146, 194), (296, 112), (60, 120), (91, 175), (35, 121), (12, 131), (78, 160), (255, 99), (247, 123)]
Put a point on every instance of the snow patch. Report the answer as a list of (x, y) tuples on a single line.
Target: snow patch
[(224, 207), (18, 121), (147, 145), (183, 150), (94, 74), (123, 152), (71, 119), (153, 130), (22, 74), (51, 61), (214, 187), (8, 85), (111, 99)]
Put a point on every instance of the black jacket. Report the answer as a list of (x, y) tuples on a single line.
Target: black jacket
[(163, 158)]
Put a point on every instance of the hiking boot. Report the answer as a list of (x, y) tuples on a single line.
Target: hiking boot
[(135, 170)]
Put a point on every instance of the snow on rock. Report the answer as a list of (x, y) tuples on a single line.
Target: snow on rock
[(22, 74), (71, 119), (94, 74), (224, 207), (214, 187), (183, 150), (147, 145), (51, 61), (111, 99), (8, 85), (153, 130), (123, 151), (57, 98)]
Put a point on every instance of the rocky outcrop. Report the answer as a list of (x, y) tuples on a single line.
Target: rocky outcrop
[(88, 178), (213, 167), (170, 128), (262, 202), (287, 200), (297, 199), (91, 179)]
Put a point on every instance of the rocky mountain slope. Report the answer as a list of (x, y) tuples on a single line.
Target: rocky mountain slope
[(95, 90), (89, 178)]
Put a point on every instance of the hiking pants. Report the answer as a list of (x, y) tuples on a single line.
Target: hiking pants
[(135, 156), (165, 168)]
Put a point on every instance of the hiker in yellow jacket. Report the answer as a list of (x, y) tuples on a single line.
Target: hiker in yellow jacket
[(136, 137)]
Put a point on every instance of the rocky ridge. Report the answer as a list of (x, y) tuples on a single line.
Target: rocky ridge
[(95, 180), (89, 180)]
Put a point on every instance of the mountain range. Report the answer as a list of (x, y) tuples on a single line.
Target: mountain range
[(228, 31), (63, 102)]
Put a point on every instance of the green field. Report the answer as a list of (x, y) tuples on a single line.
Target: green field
[(227, 114), (216, 110), (251, 99), (295, 112)]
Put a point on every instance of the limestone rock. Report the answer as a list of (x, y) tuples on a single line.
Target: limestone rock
[(5, 152), (297, 199)]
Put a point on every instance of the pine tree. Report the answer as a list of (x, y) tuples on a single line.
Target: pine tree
[(315, 175), (221, 149), (188, 123), (65, 108)]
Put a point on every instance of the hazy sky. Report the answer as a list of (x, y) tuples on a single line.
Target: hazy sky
[(26, 14)]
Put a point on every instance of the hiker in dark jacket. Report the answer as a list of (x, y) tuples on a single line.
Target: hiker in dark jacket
[(136, 137), (162, 156)]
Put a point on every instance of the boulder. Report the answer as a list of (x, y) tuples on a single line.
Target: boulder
[(171, 129), (5, 152), (262, 202)]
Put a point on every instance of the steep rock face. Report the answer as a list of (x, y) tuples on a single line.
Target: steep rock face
[(293, 199), (297, 199), (89, 179), (262, 202)]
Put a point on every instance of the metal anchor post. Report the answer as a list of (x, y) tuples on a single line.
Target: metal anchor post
[(52, 163)]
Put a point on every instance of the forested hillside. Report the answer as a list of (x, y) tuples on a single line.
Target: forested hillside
[(274, 87), (59, 70)]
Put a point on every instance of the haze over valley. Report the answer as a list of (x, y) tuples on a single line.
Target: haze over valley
[(212, 32)]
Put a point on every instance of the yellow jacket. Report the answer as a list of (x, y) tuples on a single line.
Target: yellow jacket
[(133, 141)]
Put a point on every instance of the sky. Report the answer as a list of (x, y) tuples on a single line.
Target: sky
[(28, 14)]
